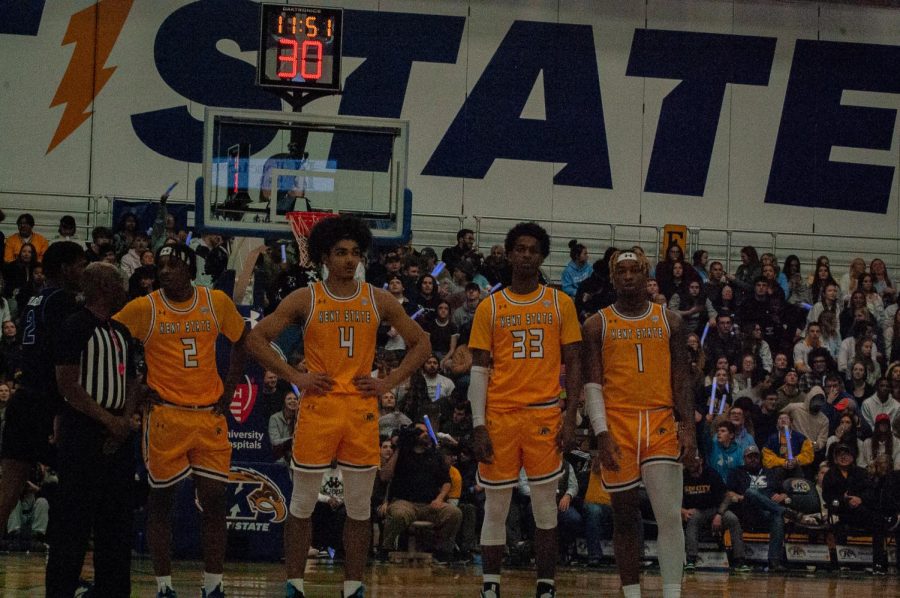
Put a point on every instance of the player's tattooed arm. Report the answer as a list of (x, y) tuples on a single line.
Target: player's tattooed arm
[(292, 310), (682, 394), (418, 346), (607, 450)]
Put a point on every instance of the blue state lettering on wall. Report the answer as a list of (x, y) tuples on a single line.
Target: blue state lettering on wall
[(813, 121), (689, 119), (489, 126)]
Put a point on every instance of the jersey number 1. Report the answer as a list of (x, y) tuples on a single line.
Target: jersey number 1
[(640, 357)]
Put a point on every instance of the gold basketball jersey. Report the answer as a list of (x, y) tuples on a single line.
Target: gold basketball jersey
[(339, 335), (637, 367)]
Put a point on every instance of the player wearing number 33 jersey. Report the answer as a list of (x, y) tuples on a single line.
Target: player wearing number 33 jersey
[(524, 335)]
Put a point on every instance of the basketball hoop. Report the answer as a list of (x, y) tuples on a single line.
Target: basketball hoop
[(301, 224)]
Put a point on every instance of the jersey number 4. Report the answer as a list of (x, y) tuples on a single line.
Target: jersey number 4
[(346, 341), (528, 343)]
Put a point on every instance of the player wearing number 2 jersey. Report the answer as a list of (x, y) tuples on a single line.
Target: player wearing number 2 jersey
[(338, 417), (185, 431), (638, 371), (527, 331)]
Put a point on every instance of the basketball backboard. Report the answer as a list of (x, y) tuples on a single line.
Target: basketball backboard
[(259, 165)]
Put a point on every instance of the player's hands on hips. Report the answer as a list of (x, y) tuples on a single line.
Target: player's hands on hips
[(608, 453), (315, 382), (370, 386), (565, 438), (481, 445)]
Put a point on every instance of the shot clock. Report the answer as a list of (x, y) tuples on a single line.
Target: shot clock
[(300, 47)]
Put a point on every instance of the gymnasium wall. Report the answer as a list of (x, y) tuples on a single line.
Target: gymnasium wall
[(768, 116)]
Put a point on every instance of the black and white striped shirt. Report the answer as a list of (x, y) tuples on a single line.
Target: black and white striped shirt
[(101, 350)]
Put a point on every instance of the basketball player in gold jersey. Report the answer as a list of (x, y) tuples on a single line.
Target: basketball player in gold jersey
[(185, 431), (638, 368), (525, 331), (338, 417)]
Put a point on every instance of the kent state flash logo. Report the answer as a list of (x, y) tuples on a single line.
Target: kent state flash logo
[(256, 501)]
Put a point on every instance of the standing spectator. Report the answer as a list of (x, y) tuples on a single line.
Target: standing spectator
[(131, 261), (463, 250), (693, 307), (699, 261), (26, 234), (577, 270), (17, 273), (722, 342), (749, 270), (281, 428), (703, 504), (271, 396), (123, 238), (755, 494), (29, 416), (495, 267), (596, 291), (95, 463), (715, 282), (884, 499), (879, 403)]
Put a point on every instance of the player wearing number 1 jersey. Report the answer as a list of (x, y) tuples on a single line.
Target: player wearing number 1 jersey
[(338, 416), (525, 331), (185, 431), (638, 385)]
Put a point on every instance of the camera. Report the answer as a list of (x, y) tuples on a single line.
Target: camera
[(407, 435)]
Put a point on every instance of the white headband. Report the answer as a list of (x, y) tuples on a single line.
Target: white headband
[(627, 255)]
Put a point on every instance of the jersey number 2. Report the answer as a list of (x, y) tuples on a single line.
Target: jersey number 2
[(190, 352)]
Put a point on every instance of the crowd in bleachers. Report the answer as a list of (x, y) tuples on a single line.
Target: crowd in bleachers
[(796, 379)]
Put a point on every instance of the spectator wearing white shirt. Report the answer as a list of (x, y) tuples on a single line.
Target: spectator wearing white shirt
[(880, 403)]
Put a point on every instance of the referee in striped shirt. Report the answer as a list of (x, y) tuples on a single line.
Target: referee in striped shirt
[(95, 461)]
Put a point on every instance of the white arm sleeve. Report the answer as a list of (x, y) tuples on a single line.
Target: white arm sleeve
[(594, 407), (478, 383)]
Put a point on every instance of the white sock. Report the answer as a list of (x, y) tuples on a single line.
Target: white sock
[(488, 578), (297, 583), (632, 591), (671, 590), (211, 581), (163, 582), (350, 587), (550, 582)]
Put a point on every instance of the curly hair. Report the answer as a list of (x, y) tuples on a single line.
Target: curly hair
[(528, 229), (329, 232)]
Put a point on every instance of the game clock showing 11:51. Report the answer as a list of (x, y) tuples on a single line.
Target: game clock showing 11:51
[(300, 47)]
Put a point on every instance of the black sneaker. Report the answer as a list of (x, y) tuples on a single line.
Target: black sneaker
[(545, 590), (690, 566), (879, 570), (490, 590)]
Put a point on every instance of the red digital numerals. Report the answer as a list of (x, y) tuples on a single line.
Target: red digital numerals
[(305, 58)]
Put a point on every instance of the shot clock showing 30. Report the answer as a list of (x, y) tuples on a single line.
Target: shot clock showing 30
[(300, 47)]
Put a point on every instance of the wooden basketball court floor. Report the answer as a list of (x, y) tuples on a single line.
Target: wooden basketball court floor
[(22, 575)]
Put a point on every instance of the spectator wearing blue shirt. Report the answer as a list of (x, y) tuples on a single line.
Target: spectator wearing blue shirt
[(577, 270)]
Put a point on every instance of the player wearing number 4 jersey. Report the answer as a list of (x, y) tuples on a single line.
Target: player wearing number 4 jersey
[(185, 431), (527, 331), (338, 418), (637, 351)]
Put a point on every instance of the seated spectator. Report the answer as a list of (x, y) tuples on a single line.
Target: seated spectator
[(829, 302), (851, 347), (714, 284), (569, 521), (390, 419), (673, 271), (797, 288), (878, 403), (764, 309), (790, 392), (747, 376), (596, 291), (745, 275), (66, 231), (495, 267), (577, 270), (847, 491), (891, 333), (866, 286), (459, 427), (420, 485), (100, 236), (786, 449), (463, 250), (766, 418), (717, 395), (780, 366), (834, 396), (882, 442), (5, 395), (597, 514), (143, 281), (131, 261), (812, 340), (27, 525), (271, 394), (755, 495), (329, 515), (699, 261), (443, 333), (429, 394), (653, 293), (754, 344), (694, 307), (723, 453), (10, 350), (410, 274), (743, 426), (25, 235), (831, 338), (465, 312), (858, 383), (18, 272), (722, 341), (808, 419), (427, 294), (821, 280), (845, 433), (281, 428), (704, 504)]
